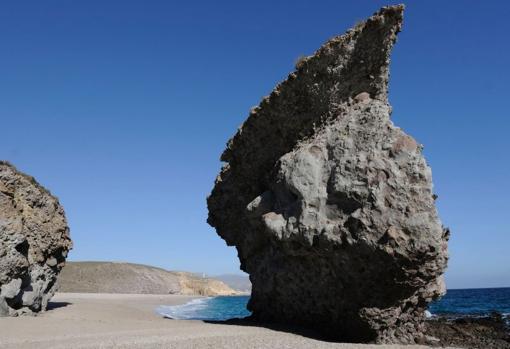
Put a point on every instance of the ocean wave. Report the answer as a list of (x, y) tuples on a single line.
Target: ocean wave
[(187, 311), (208, 309), (506, 317), (456, 316)]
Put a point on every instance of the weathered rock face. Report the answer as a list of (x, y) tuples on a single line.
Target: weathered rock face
[(329, 205), (34, 241)]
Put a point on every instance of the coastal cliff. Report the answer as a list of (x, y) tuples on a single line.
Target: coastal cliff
[(113, 277)]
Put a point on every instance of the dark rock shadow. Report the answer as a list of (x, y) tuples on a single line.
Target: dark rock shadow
[(56, 305), (293, 329)]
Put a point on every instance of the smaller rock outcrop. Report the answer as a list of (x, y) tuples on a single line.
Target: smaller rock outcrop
[(34, 242)]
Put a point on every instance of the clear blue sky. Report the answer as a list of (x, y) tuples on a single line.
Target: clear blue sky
[(122, 109)]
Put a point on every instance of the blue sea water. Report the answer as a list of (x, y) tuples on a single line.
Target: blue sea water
[(481, 301), (210, 308), (474, 302)]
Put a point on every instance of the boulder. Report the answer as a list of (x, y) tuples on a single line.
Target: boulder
[(34, 242), (329, 205)]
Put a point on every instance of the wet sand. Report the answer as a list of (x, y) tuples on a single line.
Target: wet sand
[(78, 320)]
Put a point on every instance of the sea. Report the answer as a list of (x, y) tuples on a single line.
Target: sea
[(456, 303)]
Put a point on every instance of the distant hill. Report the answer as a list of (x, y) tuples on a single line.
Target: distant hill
[(113, 277), (238, 282)]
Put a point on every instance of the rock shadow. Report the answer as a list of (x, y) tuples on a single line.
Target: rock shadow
[(292, 329), (56, 305)]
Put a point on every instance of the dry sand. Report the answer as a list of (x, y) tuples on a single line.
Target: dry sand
[(129, 321)]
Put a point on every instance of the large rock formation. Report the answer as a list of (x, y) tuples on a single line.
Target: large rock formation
[(329, 205), (34, 241)]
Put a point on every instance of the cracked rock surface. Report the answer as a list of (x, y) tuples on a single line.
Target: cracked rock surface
[(34, 241), (329, 205)]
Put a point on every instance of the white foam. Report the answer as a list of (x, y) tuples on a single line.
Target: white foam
[(190, 310)]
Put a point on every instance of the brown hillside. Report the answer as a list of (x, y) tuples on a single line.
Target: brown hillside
[(113, 277)]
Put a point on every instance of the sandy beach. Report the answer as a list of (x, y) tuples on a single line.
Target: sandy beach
[(79, 320)]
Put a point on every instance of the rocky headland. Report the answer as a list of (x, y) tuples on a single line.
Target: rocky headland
[(237, 282), (330, 205)]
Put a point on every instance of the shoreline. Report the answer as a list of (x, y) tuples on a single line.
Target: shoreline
[(91, 320)]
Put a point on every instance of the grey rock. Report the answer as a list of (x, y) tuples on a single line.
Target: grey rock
[(11, 289), (434, 341), (34, 241), (329, 205), (4, 308), (51, 262)]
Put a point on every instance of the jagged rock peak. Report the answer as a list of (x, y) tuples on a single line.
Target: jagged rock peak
[(329, 205), (34, 242)]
